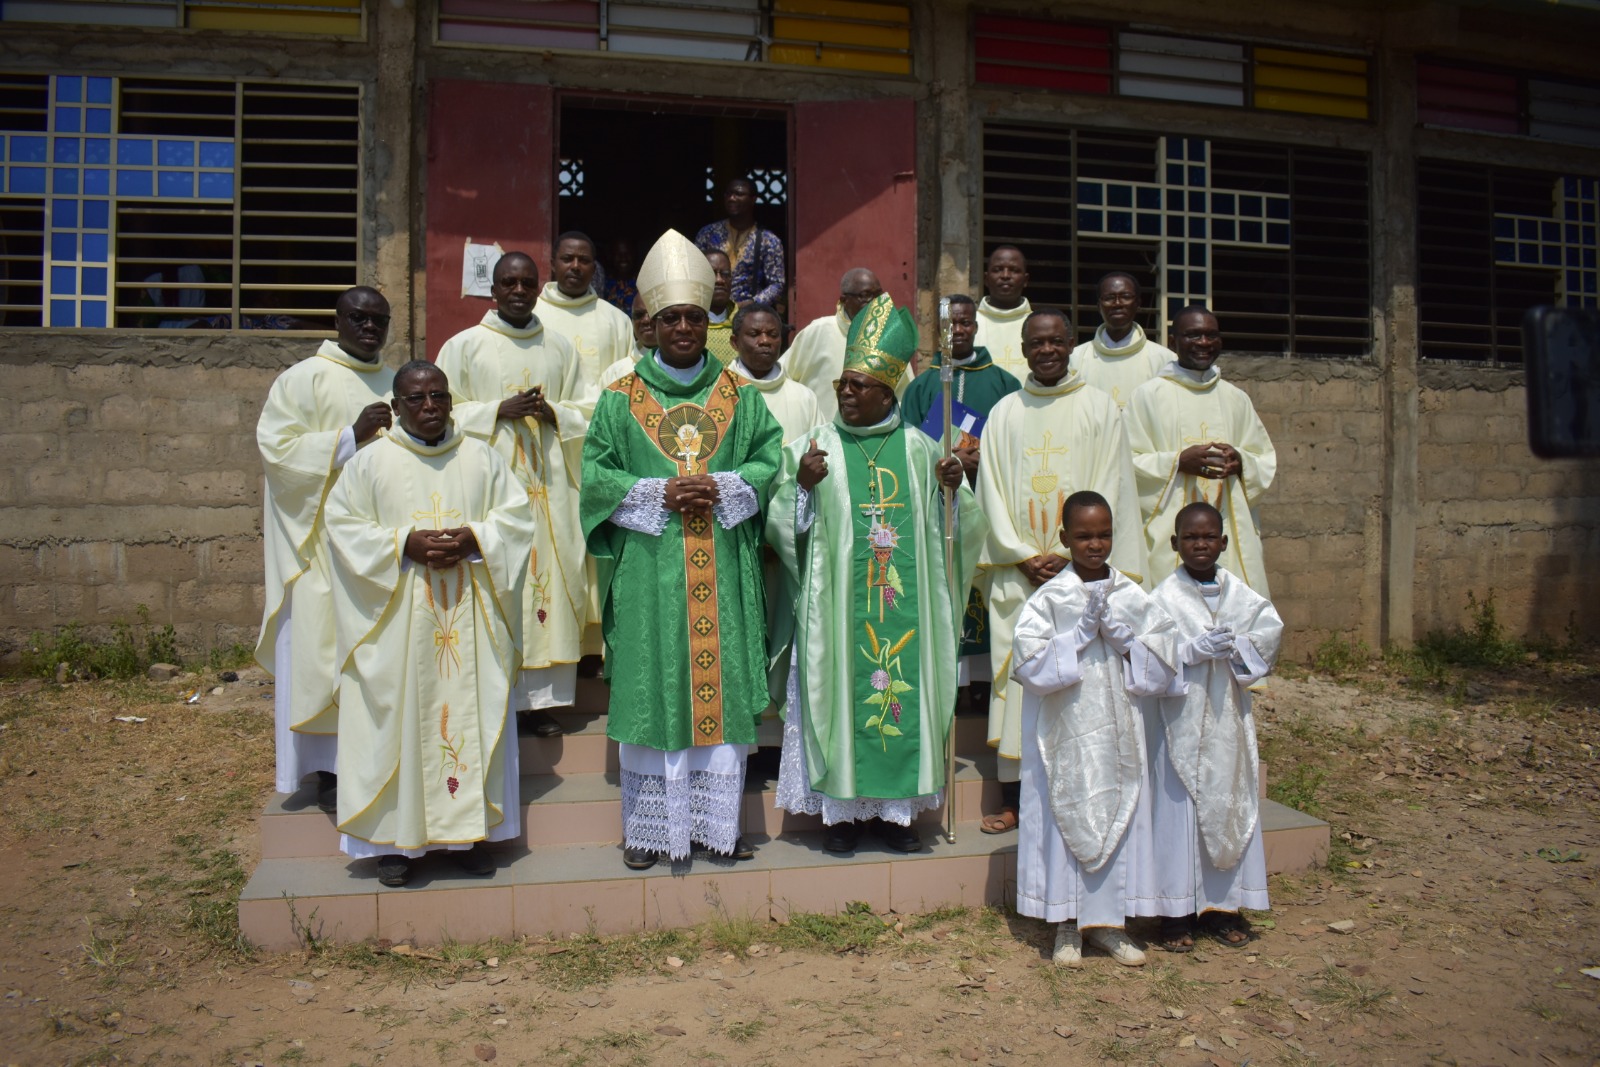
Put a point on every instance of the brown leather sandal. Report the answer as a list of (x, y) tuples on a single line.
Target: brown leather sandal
[(1001, 822)]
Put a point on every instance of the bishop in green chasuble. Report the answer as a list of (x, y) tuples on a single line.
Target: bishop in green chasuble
[(858, 519), (677, 465), (431, 533)]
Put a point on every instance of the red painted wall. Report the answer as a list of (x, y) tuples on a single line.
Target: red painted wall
[(855, 199), (490, 167)]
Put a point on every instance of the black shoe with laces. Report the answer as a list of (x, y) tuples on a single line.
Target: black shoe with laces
[(393, 871), (639, 859), (842, 837), (897, 837), (327, 792)]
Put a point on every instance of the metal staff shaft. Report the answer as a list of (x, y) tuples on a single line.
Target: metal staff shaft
[(958, 606)]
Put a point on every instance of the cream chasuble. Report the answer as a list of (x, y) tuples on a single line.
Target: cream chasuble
[(1040, 446), (1181, 408), (1118, 371), (309, 406), (1000, 331), (485, 365), (428, 655), (816, 358), (599, 332), (791, 403)]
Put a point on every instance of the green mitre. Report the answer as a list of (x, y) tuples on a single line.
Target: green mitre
[(882, 340)]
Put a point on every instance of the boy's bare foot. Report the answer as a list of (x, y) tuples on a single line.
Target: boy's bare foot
[(1177, 933), (1226, 928)]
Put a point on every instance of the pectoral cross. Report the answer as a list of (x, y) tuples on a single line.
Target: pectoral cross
[(437, 515), (1205, 438), (1046, 451)]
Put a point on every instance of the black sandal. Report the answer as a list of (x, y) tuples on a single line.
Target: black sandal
[(1177, 933), (1221, 926)]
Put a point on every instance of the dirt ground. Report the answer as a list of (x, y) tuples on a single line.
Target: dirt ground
[(1452, 925)]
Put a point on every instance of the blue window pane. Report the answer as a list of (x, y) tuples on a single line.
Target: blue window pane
[(96, 214), (1119, 195), (1221, 229), (1175, 226), (64, 247), (134, 153), (216, 153), (1528, 254), (69, 90), (97, 150), (1174, 173), (1197, 255), (1504, 251), (1150, 224), (1588, 213), (1119, 221), (1572, 257), (1175, 147), (1250, 231), (99, 91), (1091, 193), (97, 120), (1175, 280), (1091, 221), (96, 182), (96, 247), (64, 182), (1250, 206), (63, 313), (1572, 209), (135, 183), (216, 186), (175, 153), (1528, 229), (1149, 198), (1277, 208), (1570, 186), (1197, 283), (1197, 175), (1574, 281), (94, 314), (1197, 150), (67, 149), (1278, 233), (27, 180), (1222, 203), (64, 214), (1551, 256), (69, 119), (1572, 232), (1549, 231), (1197, 203), (176, 183), (27, 149), (1588, 259), (94, 281), (64, 281), (1175, 253)]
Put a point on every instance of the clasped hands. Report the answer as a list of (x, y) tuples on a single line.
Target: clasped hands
[(1213, 459), (1096, 620), (1216, 643), (1040, 569), (527, 404), (692, 494), (441, 549)]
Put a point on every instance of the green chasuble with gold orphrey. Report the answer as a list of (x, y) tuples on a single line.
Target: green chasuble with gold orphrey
[(683, 613), (877, 636)]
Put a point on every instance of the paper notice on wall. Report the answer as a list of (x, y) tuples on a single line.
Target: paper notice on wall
[(477, 267)]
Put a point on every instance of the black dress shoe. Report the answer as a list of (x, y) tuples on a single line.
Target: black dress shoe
[(393, 870), (897, 837), (743, 850), (546, 725), (327, 792), (842, 837), (639, 859), (475, 860)]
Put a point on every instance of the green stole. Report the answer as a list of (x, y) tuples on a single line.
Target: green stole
[(884, 609)]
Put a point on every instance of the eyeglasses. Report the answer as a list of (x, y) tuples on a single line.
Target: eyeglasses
[(1207, 335), (361, 318), (694, 317), (856, 385), (416, 400)]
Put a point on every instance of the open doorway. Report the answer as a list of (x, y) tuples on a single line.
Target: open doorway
[(629, 167)]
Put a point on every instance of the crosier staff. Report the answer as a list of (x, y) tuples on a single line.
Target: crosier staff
[(947, 376)]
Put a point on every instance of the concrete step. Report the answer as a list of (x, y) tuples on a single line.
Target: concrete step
[(576, 888), (587, 808)]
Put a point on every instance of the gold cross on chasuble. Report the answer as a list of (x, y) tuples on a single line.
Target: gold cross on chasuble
[(437, 515), (689, 435)]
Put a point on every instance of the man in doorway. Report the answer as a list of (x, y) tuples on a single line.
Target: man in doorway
[(816, 355), (858, 522), (517, 386), (620, 286), (676, 468), (1119, 358), (756, 254), (599, 333), (1002, 310), (317, 414), (1055, 437), (719, 331), (1197, 437), (431, 533)]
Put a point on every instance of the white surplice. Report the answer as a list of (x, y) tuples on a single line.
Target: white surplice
[(599, 332), (1000, 331), (1083, 846), (1118, 368), (816, 357)]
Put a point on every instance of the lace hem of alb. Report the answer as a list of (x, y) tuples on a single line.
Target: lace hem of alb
[(668, 815), (796, 795)]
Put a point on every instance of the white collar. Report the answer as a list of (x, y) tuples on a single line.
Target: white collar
[(685, 375)]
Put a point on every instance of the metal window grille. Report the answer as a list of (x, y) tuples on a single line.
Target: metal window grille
[(772, 186), (1493, 242), (148, 203), (1274, 238), (569, 178)]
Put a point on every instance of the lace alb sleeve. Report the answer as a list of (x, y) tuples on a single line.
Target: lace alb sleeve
[(643, 510), (736, 499), (805, 509)]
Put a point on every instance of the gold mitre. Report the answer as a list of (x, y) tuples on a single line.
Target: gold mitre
[(675, 272), (883, 338)]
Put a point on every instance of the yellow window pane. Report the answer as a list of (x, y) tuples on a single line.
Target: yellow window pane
[(840, 59), (1311, 81), (845, 9), (1343, 107), (843, 33), (334, 20), (1320, 61)]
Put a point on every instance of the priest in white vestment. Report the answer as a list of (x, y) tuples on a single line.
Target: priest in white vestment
[(1204, 766), (1041, 445), (1197, 437), (431, 533), (644, 342), (317, 414), (1089, 647), (519, 387), (599, 332), (1004, 308), (1119, 358), (816, 356)]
